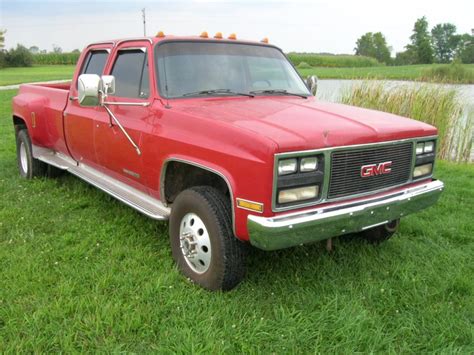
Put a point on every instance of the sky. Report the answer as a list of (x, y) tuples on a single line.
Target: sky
[(305, 26)]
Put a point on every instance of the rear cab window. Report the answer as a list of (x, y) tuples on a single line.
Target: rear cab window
[(95, 62)]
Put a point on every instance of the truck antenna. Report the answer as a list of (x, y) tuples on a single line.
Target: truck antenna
[(144, 21)]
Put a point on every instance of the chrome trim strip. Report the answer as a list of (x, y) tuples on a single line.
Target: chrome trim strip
[(327, 170), (190, 162), (291, 229)]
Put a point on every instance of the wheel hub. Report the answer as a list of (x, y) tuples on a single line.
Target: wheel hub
[(195, 243)]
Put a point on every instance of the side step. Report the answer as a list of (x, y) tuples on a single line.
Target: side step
[(134, 198)]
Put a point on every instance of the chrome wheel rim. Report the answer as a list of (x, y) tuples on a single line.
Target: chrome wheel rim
[(23, 158), (195, 243)]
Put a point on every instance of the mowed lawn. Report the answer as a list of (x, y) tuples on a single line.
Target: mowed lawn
[(11, 76), (79, 271), (403, 72)]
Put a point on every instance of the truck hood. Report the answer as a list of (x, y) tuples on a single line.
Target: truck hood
[(300, 124)]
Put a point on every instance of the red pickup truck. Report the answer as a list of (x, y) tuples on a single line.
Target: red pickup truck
[(225, 139)]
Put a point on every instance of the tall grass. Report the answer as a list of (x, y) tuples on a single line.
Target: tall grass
[(449, 73), (334, 61), (56, 58), (432, 104)]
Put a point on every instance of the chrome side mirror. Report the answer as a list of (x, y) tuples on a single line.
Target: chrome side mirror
[(108, 83), (89, 87), (312, 84)]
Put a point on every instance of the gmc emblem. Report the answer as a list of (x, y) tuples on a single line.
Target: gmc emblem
[(376, 169)]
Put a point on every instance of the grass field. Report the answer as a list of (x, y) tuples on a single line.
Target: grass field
[(79, 271), (11, 76), (406, 72)]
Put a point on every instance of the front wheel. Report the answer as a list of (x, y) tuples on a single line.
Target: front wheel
[(202, 241)]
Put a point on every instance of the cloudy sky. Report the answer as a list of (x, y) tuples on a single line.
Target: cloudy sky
[(312, 26)]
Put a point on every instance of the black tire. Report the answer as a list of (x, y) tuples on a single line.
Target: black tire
[(226, 268), (381, 233), (28, 166)]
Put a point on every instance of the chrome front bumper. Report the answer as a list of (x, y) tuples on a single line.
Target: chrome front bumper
[(291, 229)]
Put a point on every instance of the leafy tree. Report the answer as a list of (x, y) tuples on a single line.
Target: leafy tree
[(465, 49), (407, 57), (19, 57), (445, 42), (34, 49), (421, 42), (2, 39), (373, 45)]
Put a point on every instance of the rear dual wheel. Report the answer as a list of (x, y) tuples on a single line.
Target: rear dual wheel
[(202, 241), (28, 166)]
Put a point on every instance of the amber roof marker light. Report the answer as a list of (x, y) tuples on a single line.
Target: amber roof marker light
[(160, 34), (204, 35), (232, 36), (264, 40), (218, 35)]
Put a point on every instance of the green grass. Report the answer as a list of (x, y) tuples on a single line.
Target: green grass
[(79, 271), (406, 72), (11, 76)]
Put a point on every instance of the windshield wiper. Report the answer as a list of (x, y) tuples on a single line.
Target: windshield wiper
[(217, 91), (278, 92)]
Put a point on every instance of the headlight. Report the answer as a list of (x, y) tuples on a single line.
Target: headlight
[(423, 170), (429, 146), (298, 194), (425, 147), (287, 166), (308, 164), (419, 148)]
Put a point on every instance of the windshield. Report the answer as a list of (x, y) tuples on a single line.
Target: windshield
[(187, 69)]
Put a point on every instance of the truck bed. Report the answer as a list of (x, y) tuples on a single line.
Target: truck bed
[(41, 106)]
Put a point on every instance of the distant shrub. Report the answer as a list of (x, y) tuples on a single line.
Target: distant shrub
[(56, 58), (304, 65), (3, 61), (19, 57), (449, 73), (432, 104), (335, 61)]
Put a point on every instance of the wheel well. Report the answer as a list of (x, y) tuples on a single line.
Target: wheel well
[(180, 176), (19, 124)]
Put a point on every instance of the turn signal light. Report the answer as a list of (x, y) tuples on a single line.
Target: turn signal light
[(204, 35), (232, 36), (160, 34), (218, 35)]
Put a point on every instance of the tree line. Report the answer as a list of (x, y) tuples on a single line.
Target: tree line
[(440, 45), (26, 57)]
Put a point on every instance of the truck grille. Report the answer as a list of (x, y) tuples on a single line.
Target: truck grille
[(346, 179)]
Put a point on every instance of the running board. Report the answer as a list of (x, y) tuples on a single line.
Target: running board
[(134, 198)]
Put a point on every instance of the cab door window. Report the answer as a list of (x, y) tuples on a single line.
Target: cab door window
[(131, 74)]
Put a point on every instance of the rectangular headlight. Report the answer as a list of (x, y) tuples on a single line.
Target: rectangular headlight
[(429, 146), (308, 164), (420, 148), (298, 194), (422, 170), (287, 166)]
